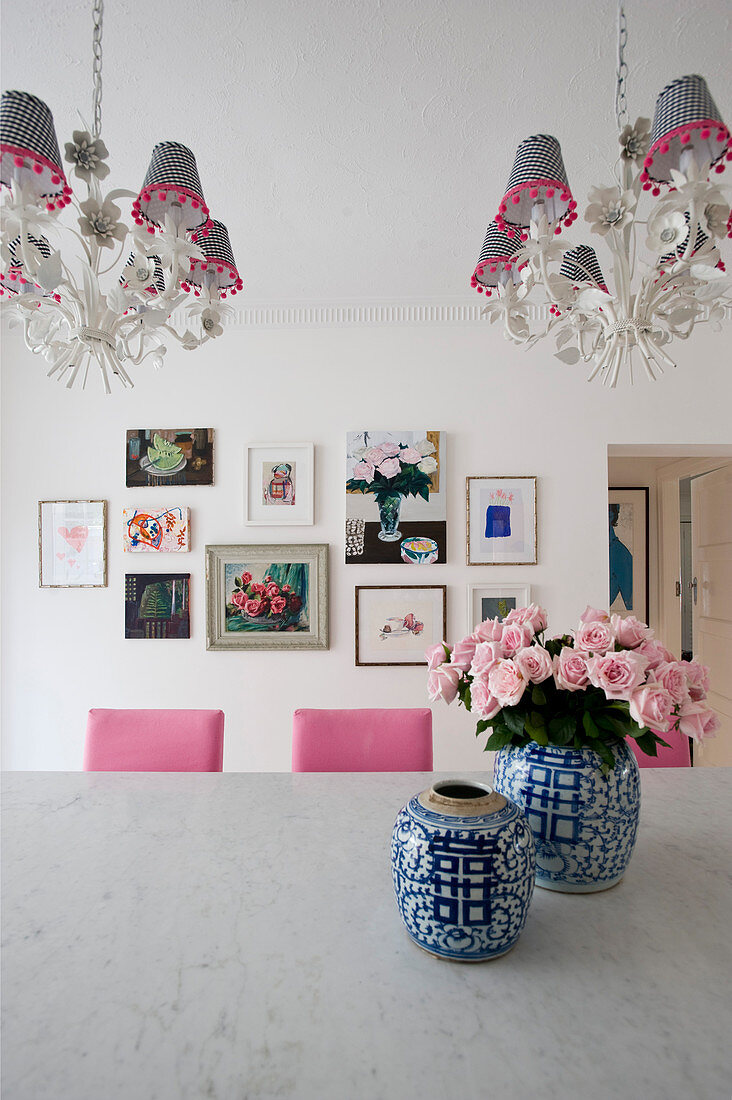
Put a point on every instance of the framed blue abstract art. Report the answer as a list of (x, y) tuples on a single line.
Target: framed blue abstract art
[(501, 520), (628, 551)]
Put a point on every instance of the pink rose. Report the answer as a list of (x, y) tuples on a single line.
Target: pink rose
[(533, 615), (672, 676), (418, 627), (629, 632), (482, 703), (364, 471), (697, 721), (697, 677), (254, 607), (389, 467), (239, 599), (436, 655), (279, 603), (374, 455), (442, 683), (486, 655), (286, 588), (390, 449), (268, 579), (534, 663), (652, 706), (506, 683), (410, 455), (594, 615), (514, 637), (245, 578), (654, 653), (259, 589), (462, 654), (489, 631), (617, 674), (273, 589), (594, 636), (570, 670)]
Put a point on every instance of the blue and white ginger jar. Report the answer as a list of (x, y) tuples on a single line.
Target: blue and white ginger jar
[(463, 864), (584, 823)]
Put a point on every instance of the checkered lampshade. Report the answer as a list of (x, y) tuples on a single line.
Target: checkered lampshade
[(29, 149), (157, 286), (495, 259), (15, 279), (216, 247), (580, 264), (538, 175), (171, 179), (686, 117)]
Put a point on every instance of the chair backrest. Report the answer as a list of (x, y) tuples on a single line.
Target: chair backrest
[(677, 755), (154, 741), (377, 740)]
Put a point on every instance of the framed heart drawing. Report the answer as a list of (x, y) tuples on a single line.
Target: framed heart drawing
[(72, 543)]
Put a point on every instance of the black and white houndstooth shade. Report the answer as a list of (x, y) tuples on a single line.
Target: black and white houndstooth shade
[(29, 148), (538, 176), (216, 247), (495, 260), (157, 286), (15, 279), (171, 184), (580, 264), (701, 238), (686, 119)]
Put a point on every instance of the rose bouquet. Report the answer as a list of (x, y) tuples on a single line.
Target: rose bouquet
[(607, 680), (392, 468), (264, 602)]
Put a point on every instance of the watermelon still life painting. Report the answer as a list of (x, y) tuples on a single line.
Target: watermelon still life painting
[(155, 530), (169, 456), (72, 551), (501, 520)]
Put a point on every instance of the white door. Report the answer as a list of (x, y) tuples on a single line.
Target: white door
[(711, 532)]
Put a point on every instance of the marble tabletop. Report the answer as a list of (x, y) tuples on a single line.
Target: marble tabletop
[(232, 936)]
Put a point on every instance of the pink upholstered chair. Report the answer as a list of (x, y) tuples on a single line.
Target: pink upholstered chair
[(362, 740), (678, 755), (154, 741)]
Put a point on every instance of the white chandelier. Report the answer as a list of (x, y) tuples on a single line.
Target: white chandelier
[(176, 258), (649, 300)]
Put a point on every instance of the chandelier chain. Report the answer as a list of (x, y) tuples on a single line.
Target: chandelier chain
[(621, 105), (97, 14)]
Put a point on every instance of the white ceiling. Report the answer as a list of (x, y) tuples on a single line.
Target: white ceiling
[(356, 149)]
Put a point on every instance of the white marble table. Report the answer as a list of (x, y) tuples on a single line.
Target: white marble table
[(235, 936)]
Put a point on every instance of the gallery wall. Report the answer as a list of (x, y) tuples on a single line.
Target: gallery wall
[(504, 411)]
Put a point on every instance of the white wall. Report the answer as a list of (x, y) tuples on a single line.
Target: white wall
[(504, 412)]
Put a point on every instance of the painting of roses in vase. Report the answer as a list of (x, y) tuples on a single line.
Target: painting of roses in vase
[(266, 597)]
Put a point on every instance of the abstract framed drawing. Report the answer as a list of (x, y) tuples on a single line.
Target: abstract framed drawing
[(169, 456), (72, 543), (278, 484), (267, 596), (628, 551), (395, 624), (157, 605), (156, 530), (501, 520), (490, 601), (395, 497)]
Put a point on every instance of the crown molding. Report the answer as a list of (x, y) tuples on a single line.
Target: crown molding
[(267, 315)]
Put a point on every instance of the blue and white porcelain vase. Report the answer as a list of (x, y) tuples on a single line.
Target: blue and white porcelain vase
[(584, 822), (463, 864)]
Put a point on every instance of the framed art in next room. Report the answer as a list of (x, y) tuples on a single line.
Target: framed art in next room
[(396, 624), (628, 547)]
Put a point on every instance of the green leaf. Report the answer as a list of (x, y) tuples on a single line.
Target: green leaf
[(590, 727), (237, 582), (537, 696), (513, 720), (498, 739), (646, 742), (482, 726), (562, 729), (536, 731)]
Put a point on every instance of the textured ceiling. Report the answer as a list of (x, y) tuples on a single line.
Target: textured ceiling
[(357, 148)]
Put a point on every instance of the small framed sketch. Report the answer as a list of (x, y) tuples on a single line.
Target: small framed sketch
[(396, 624), (72, 543), (501, 520), (628, 535), (267, 597), (156, 530), (157, 605), (490, 601), (278, 484)]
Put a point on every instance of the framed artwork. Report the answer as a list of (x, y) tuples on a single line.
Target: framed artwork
[(628, 543), (72, 543), (157, 605), (394, 625), (490, 601), (278, 483), (169, 456), (267, 597), (395, 497), (501, 520), (156, 530)]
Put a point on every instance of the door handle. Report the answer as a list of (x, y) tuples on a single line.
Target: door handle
[(693, 587)]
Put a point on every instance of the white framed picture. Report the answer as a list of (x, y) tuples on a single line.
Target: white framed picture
[(396, 623), (488, 601), (501, 520), (278, 484), (72, 543)]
